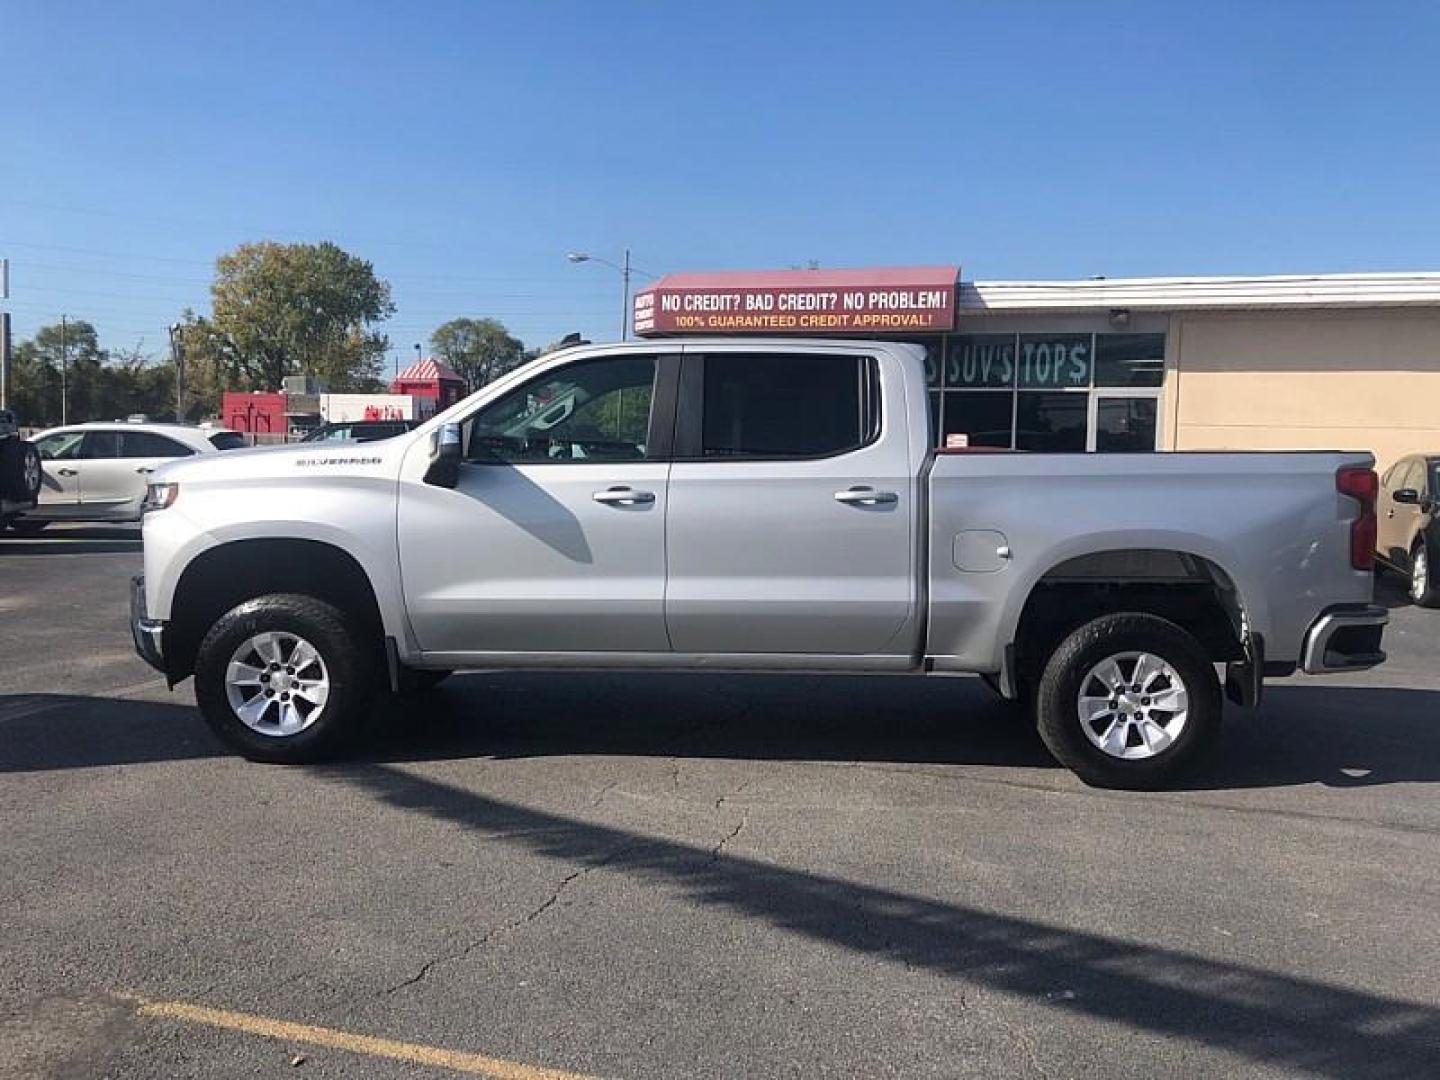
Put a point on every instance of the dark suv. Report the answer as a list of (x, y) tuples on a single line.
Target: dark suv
[(1407, 534), (360, 430)]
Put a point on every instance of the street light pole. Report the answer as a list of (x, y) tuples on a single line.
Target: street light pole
[(625, 270)]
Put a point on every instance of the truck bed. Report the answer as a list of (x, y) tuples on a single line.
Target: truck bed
[(1272, 524)]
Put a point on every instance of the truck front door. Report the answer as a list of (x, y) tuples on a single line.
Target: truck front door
[(553, 540), (792, 506)]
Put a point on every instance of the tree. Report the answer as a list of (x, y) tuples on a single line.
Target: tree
[(480, 350), (292, 309), (37, 387), (99, 384)]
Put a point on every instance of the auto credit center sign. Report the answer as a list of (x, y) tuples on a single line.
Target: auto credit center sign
[(894, 300)]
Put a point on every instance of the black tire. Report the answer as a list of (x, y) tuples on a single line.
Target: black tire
[(1057, 709), (347, 661), (1423, 586), (27, 526), (19, 470), (421, 681)]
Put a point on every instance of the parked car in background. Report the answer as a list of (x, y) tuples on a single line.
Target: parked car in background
[(360, 430), (1407, 537), (98, 471)]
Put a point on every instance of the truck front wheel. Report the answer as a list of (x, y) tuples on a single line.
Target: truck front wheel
[(1128, 701), (282, 678)]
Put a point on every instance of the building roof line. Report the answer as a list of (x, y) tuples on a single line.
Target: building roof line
[(1382, 289)]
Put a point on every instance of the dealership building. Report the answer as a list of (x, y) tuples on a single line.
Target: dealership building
[(1283, 362)]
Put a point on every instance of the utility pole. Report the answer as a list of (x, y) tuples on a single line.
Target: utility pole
[(4, 359), (64, 413), (625, 298), (177, 356), (4, 336)]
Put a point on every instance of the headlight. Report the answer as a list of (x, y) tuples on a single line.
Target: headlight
[(159, 496)]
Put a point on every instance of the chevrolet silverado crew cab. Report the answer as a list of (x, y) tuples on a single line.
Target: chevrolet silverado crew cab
[(752, 506)]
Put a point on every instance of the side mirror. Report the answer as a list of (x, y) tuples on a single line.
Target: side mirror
[(1406, 495), (445, 452)]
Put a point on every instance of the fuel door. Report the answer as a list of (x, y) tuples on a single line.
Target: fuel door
[(981, 551)]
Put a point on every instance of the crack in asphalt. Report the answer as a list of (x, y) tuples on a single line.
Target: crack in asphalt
[(504, 928), (719, 848)]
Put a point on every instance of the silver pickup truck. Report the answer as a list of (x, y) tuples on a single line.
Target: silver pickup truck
[(753, 506)]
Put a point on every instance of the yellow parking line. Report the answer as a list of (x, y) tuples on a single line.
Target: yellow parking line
[(285, 1031)]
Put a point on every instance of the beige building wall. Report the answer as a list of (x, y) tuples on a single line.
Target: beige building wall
[(1305, 380)]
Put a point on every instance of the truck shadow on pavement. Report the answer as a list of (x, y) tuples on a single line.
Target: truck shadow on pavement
[(1278, 1019), (1338, 736)]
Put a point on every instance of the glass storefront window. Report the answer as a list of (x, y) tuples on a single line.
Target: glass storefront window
[(1051, 422), (1129, 359), (1125, 425), (980, 360), (1038, 391), (933, 365), (982, 416), (1056, 361)]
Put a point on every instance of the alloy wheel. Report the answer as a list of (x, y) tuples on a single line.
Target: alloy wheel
[(277, 684), (1133, 705)]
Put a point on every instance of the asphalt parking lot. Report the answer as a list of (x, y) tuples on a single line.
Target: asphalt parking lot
[(662, 876)]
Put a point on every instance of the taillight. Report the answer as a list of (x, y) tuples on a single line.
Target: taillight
[(1361, 485)]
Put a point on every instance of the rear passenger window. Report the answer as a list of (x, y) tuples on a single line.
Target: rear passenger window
[(146, 444), (100, 445), (759, 406)]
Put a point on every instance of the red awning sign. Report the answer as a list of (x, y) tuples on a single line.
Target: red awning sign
[(891, 300)]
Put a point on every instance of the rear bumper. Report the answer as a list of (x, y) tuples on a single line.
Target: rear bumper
[(1345, 638), (148, 634)]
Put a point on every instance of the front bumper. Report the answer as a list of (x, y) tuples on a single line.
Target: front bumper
[(148, 634), (1345, 638)]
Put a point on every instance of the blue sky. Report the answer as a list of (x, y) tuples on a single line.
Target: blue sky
[(465, 147)]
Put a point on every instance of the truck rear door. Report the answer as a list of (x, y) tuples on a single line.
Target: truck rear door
[(792, 505)]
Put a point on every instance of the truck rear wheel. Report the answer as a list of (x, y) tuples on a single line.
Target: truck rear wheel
[(281, 678), (1128, 701)]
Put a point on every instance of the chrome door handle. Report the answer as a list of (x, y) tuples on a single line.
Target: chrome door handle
[(866, 496), (68, 472), (144, 469), (623, 496)]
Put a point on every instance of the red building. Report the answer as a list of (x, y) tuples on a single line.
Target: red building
[(261, 413), (430, 379)]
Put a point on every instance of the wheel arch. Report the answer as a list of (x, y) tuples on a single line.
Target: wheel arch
[(1188, 587), (227, 574)]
